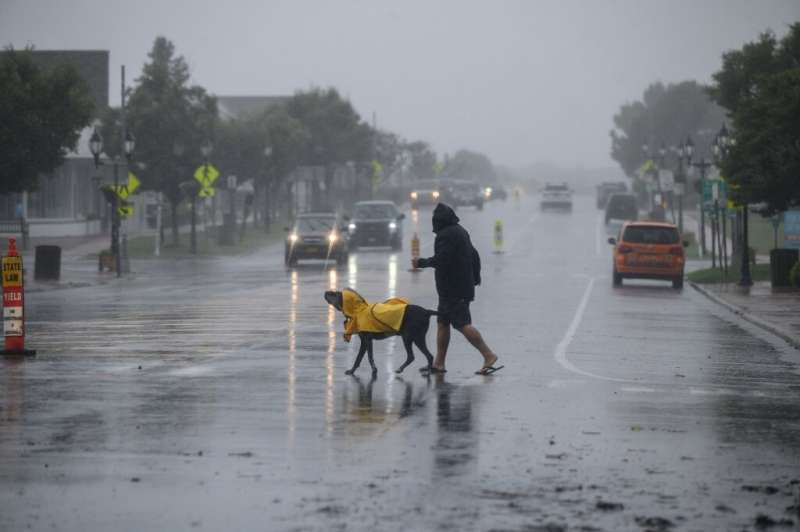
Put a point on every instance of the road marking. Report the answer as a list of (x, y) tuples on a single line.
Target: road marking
[(560, 353)]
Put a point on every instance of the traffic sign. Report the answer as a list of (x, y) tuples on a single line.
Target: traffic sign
[(133, 183), (667, 180), (206, 174), (125, 209), (206, 192)]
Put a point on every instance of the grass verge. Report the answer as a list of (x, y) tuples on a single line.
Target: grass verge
[(759, 272), (142, 247)]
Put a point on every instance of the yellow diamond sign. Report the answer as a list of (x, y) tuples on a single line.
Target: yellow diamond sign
[(206, 174)]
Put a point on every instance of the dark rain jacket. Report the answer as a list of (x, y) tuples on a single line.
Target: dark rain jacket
[(457, 263)]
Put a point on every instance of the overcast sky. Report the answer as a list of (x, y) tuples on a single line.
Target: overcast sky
[(523, 81)]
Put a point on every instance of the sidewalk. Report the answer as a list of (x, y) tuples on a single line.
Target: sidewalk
[(776, 310), (78, 269)]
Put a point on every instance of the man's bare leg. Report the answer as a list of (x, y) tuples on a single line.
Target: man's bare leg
[(474, 337), (442, 342)]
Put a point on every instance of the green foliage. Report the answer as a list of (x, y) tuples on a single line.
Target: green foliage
[(170, 120), (760, 86), (336, 132), (41, 115), (666, 114), (470, 165), (423, 159)]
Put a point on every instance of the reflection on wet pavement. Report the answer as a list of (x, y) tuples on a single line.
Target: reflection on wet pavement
[(223, 381)]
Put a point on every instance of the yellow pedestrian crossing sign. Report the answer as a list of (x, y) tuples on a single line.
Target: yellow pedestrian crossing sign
[(206, 192), (123, 191), (206, 174)]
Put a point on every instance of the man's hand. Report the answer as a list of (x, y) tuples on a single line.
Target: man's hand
[(415, 263)]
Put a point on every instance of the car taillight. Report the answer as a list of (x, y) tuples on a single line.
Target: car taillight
[(676, 250), (624, 249)]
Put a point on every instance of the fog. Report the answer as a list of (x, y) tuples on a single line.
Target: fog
[(524, 82)]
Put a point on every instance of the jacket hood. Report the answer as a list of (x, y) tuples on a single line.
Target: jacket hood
[(352, 302), (443, 216)]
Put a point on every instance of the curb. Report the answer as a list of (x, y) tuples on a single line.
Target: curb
[(750, 317)]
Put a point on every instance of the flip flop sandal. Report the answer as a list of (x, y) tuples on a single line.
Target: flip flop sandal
[(488, 370)]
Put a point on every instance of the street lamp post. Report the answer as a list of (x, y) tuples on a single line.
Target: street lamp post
[(703, 166), (96, 147), (267, 210), (658, 160)]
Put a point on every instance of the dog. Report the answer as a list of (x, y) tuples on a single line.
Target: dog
[(413, 328)]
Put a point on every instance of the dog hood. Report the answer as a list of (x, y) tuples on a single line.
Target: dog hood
[(443, 216), (386, 317)]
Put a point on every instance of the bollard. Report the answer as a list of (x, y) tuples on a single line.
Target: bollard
[(498, 236), (14, 303), (414, 250)]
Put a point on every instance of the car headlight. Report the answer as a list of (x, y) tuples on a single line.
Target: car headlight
[(435, 194), (392, 226), (414, 195), (293, 237), (488, 192), (351, 227), (333, 237)]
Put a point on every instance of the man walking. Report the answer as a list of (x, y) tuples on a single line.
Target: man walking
[(458, 271)]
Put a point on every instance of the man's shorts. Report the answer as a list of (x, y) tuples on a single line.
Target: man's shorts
[(454, 312)]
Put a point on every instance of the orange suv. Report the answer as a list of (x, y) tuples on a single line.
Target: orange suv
[(648, 250)]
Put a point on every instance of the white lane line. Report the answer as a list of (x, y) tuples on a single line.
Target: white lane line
[(560, 353)]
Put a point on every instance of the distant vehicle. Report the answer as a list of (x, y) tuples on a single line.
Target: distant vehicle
[(495, 192), (464, 193), (426, 192), (606, 189), (621, 208), (376, 223), (556, 196), (648, 250), (315, 236)]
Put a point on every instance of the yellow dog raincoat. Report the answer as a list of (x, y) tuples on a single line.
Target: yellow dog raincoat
[(386, 317)]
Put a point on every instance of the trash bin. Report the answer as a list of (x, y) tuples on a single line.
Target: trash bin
[(781, 261), (47, 265)]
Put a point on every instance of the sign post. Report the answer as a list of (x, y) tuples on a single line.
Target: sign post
[(14, 303)]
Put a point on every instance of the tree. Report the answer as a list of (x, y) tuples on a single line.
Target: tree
[(759, 85), (423, 160), (668, 114), (171, 120), (472, 166), (336, 133), (42, 113)]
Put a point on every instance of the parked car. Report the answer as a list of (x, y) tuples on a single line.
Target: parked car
[(648, 250), (464, 193), (425, 192), (606, 189), (556, 196), (376, 223), (316, 236)]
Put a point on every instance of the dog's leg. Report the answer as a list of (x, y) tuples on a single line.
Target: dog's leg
[(420, 341), (362, 348), (371, 360), (407, 341)]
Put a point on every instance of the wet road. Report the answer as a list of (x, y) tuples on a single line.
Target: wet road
[(211, 395)]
